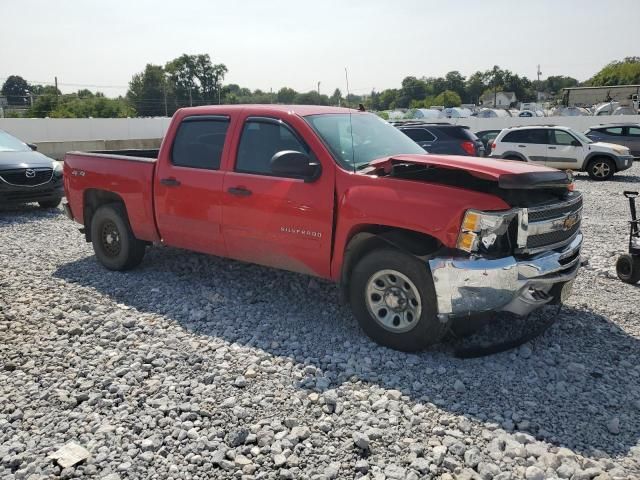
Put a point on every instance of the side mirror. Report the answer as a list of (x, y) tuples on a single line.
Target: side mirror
[(33, 146), (576, 143), (290, 163)]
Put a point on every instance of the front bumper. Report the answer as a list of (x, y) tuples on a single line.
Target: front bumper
[(24, 194), (624, 162), (467, 286)]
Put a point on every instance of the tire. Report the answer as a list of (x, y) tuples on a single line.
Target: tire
[(601, 168), (513, 157), (50, 203), (113, 241), (409, 328), (628, 268)]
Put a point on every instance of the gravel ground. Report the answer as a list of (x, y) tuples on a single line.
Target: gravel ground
[(199, 367)]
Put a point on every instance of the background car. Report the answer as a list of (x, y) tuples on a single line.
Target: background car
[(443, 138), (627, 134), (487, 137), (28, 176), (561, 147)]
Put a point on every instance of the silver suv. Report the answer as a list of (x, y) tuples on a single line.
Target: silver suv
[(561, 147)]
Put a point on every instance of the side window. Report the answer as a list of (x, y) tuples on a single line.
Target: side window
[(560, 137), (199, 143), (634, 131), (514, 137), (419, 134), (260, 141), (613, 131), (537, 136)]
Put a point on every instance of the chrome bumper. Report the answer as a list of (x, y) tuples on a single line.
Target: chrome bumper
[(465, 286)]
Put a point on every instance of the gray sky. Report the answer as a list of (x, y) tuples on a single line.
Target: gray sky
[(296, 43)]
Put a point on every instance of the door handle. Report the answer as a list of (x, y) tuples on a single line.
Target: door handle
[(170, 182), (521, 146), (239, 191), (552, 148)]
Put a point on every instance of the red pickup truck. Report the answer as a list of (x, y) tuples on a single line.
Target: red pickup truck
[(414, 240)]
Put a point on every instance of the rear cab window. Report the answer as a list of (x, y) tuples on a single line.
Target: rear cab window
[(199, 142)]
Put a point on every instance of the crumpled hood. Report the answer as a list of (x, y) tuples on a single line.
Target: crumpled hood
[(507, 173)]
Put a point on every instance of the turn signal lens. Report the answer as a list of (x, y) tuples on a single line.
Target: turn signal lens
[(471, 221), (467, 241)]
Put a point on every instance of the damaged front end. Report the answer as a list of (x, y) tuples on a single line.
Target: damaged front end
[(515, 260)]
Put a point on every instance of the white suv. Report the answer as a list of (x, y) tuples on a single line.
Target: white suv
[(561, 147)]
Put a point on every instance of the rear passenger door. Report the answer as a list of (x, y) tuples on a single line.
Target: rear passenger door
[(532, 143), (188, 185), (562, 153)]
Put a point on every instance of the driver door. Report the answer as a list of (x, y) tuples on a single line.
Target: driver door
[(563, 150), (272, 220)]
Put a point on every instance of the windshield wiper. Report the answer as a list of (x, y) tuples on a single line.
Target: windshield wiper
[(363, 166)]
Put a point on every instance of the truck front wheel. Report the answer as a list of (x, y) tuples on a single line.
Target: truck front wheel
[(393, 298), (113, 241)]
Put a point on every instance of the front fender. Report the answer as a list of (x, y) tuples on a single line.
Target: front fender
[(427, 208)]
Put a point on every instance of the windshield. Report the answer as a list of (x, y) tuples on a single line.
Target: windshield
[(11, 144), (357, 139), (581, 136)]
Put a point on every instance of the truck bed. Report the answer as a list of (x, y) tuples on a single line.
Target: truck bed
[(128, 174)]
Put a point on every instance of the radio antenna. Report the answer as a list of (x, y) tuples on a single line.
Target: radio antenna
[(353, 152)]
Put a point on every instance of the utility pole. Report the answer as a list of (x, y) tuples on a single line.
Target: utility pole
[(271, 95), (56, 83), (318, 88), (164, 90), (538, 84)]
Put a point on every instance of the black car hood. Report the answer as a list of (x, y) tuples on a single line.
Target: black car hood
[(26, 159)]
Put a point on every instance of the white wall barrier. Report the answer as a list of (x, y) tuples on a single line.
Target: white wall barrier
[(34, 130)]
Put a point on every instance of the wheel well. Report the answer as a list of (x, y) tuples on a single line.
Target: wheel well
[(592, 158), (94, 199), (378, 236)]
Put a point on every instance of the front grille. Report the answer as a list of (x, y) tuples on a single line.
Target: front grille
[(554, 211), (555, 225), (552, 238), (27, 177), (26, 195)]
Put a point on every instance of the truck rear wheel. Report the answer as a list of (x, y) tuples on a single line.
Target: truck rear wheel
[(393, 298), (113, 241), (601, 168), (628, 268)]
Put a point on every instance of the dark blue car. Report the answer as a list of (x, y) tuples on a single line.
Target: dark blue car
[(443, 138)]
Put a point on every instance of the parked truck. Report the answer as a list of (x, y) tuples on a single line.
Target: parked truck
[(415, 241)]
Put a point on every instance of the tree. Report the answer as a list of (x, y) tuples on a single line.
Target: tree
[(44, 89), (311, 98), (195, 80), (412, 89), (76, 106), (336, 98), (447, 98), (147, 91), (454, 81), (286, 95), (624, 72), (16, 89), (474, 87)]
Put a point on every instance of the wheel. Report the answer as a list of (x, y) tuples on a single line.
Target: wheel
[(113, 241), (50, 203), (393, 298), (628, 268), (601, 168)]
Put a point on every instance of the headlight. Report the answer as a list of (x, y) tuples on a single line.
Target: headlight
[(621, 150), (485, 231), (57, 169)]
